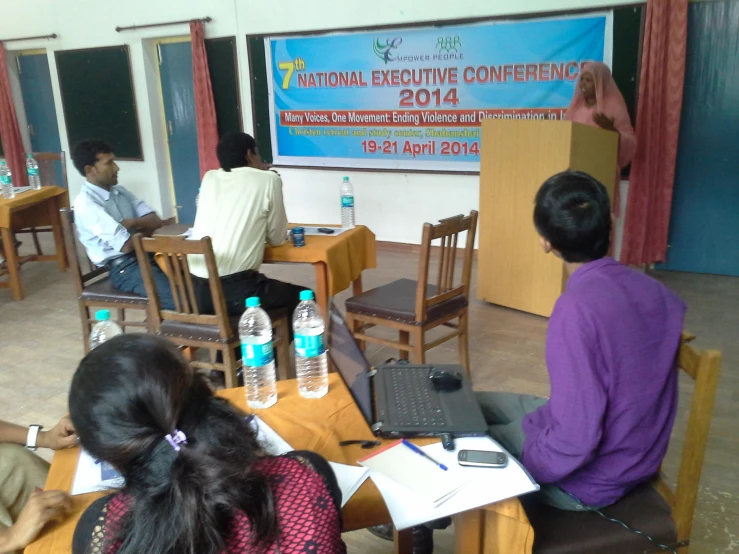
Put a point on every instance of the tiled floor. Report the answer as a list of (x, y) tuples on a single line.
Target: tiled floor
[(40, 345)]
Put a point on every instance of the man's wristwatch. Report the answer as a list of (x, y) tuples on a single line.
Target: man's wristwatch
[(33, 432)]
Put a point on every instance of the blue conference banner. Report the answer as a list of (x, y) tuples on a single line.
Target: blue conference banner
[(415, 98)]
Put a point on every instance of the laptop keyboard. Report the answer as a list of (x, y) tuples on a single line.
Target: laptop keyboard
[(417, 403)]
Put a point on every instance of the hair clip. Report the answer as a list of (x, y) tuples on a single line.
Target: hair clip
[(176, 439)]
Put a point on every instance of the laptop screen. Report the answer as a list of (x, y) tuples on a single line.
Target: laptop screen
[(351, 362)]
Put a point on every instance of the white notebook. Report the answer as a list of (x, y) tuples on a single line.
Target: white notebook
[(427, 480), (484, 485)]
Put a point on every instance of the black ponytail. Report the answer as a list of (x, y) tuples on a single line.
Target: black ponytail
[(126, 396)]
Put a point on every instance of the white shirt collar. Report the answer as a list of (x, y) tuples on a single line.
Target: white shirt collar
[(97, 191)]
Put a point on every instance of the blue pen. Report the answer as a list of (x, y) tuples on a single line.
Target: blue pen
[(422, 453)]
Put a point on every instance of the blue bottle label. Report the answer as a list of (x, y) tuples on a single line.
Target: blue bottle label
[(309, 346), (347, 201), (6, 180), (257, 355), (33, 172)]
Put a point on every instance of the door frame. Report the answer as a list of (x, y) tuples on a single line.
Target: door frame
[(170, 177)]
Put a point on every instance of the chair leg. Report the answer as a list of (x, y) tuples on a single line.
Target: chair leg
[(419, 346), (86, 326), (284, 367), (36, 243), (464, 348), (122, 318), (355, 326), (229, 363), (404, 337)]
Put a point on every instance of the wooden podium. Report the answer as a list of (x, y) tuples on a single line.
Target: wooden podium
[(517, 157)]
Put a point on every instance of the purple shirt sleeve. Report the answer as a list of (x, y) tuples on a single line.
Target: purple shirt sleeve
[(563, 435)]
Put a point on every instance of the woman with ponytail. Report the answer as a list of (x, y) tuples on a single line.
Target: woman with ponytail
[(197, 481)]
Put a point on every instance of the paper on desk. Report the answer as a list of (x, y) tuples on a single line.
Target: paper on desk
[(313, 230), (19, 190), (187, 234), (350, 478), (93, 476), (484, 486)]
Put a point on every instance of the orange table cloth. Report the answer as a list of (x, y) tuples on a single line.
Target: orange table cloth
[(338, 260), (345, 255)]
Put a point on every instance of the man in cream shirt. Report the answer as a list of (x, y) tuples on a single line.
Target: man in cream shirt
[(241, 208)]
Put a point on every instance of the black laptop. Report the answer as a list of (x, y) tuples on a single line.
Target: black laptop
[(399, 400)]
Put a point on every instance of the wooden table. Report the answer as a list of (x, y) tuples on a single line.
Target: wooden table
[(338, 260), (32, 208), (318, 425)]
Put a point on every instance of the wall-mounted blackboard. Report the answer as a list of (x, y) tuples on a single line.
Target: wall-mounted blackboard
[(221, 53), (98, 98), (626, 51)]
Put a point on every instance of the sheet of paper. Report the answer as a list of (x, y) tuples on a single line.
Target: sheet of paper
[(422, 477), (484, 486), (187, 234), (92, 475), (19, 190), (313, 230), (350, 478)]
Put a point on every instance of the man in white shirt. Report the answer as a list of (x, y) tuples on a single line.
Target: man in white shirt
[(107, 216), (241, 208)]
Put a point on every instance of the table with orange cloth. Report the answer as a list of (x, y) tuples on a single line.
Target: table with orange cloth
[(318, 425), (338, 260), (31, 208)]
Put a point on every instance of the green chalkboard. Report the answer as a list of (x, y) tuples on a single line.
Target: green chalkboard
[(626, 50), (260, 96), (98, 98), (221, 54)]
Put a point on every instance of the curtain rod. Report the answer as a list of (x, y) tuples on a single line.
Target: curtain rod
[(150, 25), (54, 35)]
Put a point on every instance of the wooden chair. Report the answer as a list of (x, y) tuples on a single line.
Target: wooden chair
[(657, 510), (415, 307), (186, 326), (93, 286), (47, 169)]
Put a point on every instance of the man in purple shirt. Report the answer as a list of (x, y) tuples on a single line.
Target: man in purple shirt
[(611, 352)]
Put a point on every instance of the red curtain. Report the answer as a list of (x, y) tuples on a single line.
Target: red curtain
[(205, 108), (9, 130), (657, 130)]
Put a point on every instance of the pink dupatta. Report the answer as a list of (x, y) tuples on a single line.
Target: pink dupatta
[(610, 102)]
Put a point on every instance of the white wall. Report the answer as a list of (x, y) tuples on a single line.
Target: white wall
[(393, 205)]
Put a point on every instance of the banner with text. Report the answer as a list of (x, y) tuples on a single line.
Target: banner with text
[(415, 98)]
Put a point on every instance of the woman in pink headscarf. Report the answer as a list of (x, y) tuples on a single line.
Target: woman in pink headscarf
[(598, 102)]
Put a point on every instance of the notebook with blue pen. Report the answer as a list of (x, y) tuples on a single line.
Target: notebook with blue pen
[(421, 474)]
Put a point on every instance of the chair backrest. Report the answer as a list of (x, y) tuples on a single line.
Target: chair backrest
[(52, 168), (172, 254), (447, 286), (83, 270), (704, 368)]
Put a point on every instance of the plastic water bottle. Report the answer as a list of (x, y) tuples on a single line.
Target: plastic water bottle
[(34, 179), (6, 180), (257, 356), (347, 204), (311, 364), (104, 330)]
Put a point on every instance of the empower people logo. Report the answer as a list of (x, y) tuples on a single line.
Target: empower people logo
[(385, 51)]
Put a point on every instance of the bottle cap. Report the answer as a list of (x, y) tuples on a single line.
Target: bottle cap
[(346, 179), (306, 295), (102, 315), (253, 302), (30, 156)]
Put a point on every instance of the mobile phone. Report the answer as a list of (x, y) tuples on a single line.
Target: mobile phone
[(482, 458)]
